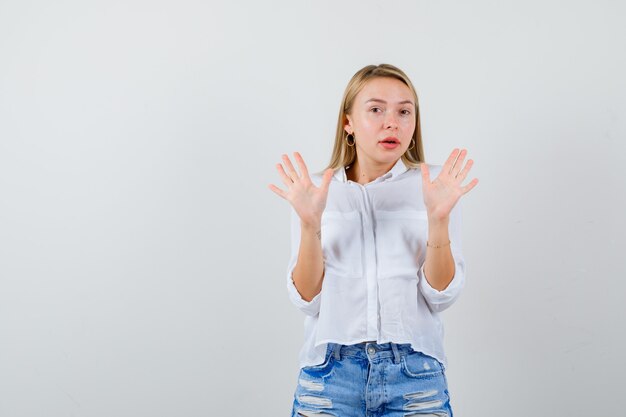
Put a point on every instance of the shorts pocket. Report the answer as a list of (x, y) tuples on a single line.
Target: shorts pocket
[(323, 369), (420, 365)]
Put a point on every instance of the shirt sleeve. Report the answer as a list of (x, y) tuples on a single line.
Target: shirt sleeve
[(437, 300), (310, 308)]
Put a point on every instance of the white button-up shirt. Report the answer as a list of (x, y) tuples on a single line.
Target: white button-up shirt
[(374, 248)]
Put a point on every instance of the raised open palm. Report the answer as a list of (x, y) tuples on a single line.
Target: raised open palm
[(308, 200), (442, 194)]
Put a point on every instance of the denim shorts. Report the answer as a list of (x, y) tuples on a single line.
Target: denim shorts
[(371, 380)]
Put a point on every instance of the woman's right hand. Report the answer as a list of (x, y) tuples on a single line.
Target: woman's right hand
[(307, 200)]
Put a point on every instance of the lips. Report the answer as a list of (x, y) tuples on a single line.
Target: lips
[(390, 139), (389, 143)]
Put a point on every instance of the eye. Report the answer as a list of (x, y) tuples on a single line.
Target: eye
[(374, 108), (407, 112)]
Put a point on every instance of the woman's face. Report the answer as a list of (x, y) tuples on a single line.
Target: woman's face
[(383, 108)]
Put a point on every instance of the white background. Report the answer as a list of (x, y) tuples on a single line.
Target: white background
[(143, 258)]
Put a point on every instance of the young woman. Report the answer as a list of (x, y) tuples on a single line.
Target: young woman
[(376, 256)]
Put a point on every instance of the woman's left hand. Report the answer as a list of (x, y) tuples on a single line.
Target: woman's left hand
[(441, 195)]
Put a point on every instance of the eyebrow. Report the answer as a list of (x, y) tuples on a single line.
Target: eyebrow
[(383, 101)]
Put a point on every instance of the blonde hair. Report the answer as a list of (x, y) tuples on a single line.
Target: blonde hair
[(344, 155)]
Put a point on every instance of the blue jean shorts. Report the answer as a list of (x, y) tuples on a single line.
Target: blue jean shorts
[(371, 380)]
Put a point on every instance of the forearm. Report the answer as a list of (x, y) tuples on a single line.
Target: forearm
[(308, 273), (439, 263)]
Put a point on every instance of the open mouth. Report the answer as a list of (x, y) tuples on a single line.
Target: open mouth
[(390, 140), (389, 143)]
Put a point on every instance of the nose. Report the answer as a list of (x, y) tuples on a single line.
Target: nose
[(390, 121)]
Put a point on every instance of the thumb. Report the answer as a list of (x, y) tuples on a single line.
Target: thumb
[(328, 175), (425, 173)]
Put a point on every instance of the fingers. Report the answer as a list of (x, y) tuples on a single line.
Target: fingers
[(447, 166), (291, 175), (469, 186), (278, 191), (283, 175), (461, 175), (301, 165), (292, 171), (456, 166)]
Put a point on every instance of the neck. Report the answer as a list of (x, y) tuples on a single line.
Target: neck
[(364, 172)]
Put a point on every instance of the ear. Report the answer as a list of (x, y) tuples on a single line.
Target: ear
[(347, 127)]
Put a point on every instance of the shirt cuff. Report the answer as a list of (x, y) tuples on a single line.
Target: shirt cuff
[(440, 300), (310, 308)]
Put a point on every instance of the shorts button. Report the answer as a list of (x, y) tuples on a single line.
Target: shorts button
[(371, 350)]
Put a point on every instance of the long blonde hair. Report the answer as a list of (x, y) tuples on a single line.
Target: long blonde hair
[(343, 154)]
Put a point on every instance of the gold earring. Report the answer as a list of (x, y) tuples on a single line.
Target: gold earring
[(412, 144), (347, 141)]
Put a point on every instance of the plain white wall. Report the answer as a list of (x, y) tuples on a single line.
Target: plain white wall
[(143, 259)]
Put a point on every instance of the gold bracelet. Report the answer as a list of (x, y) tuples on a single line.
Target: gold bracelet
[(437, 246)]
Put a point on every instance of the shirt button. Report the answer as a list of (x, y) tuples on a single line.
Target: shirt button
[(371, 350)]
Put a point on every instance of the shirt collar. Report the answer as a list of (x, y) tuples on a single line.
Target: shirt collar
[(398, 168)]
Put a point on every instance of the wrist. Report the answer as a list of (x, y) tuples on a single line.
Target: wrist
[(438, 222), (311, 226)]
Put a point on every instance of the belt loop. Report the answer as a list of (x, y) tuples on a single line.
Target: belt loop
[(337, 351), (396, 355)]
